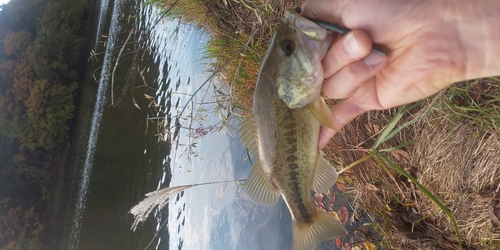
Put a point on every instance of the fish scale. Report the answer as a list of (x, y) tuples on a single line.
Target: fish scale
[(298, 165)]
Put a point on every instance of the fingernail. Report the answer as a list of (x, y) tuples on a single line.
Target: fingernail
[(352, 46), (373, 59)]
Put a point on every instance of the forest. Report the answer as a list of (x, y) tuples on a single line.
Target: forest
[(40, 70)]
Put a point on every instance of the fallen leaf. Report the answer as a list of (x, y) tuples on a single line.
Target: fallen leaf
[(371, 187), (431, 220), (370, 246), (388, 207), (346, 246), (401, 155), (342, 187), (410, 216), (369, 127), (334, 215), (452, 238), (493, 217), (339, 242), (343, 214)]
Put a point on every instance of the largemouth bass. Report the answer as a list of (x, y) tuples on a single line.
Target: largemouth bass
[(283, 133)]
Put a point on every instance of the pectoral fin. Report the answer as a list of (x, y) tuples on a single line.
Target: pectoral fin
[(325, 176), (322, 113), (259, 187)]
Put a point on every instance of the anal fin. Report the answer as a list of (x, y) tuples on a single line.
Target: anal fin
[(325, 176), (259, 187)]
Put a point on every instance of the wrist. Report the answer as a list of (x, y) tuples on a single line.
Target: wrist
[(478, 25)]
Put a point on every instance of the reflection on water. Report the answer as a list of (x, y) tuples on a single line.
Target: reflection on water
[(115, 157), (101, 20), (96, 120)]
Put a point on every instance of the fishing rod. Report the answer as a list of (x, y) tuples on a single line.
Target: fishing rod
[(379, 49)]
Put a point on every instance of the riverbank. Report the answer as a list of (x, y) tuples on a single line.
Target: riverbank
[(52, 215), (423, 172)]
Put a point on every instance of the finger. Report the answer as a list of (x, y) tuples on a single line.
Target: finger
[(322, 9), (349, 78), (325, 134), (349, 48)]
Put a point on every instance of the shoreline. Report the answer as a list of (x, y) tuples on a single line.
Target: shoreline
[(54, 216)]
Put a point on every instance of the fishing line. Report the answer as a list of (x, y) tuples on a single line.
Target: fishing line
[(156, 234), (164, 14)]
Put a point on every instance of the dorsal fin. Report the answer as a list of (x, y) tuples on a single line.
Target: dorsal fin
[(249, 135), (325, 176)]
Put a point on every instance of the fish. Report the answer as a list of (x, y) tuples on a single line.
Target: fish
[(282, 132)]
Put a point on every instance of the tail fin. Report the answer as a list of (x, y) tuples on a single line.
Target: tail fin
[(324, 227)]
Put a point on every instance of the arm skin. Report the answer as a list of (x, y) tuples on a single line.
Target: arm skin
[(431, 43)]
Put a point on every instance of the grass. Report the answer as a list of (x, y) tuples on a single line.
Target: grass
[(425, 171), (428, 171), (240, 34), (477, 100)]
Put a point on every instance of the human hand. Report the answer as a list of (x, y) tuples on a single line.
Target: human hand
[(431, 45)]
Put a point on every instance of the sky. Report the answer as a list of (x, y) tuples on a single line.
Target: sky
[(3, 1)]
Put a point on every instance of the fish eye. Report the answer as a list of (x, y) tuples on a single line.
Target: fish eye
[(287, 47)]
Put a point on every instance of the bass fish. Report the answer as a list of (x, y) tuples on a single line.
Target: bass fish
[(283, 132)]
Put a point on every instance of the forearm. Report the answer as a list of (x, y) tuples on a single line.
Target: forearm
[(478, 23)]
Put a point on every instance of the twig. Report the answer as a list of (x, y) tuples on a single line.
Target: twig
[(116, 66)]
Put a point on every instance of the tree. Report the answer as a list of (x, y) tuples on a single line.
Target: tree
[(23, 77), (19, 228), (39, 61), (48, 109), (17, 42)]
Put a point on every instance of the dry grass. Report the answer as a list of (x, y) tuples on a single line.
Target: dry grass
[(243, 30), (456, 160), (461, 167)]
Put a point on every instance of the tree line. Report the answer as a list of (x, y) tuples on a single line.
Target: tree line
[(40, 70)]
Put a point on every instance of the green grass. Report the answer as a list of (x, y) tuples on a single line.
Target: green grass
[(477, 101)]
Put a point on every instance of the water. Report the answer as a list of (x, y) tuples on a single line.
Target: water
[(116, 157), (96, 121)]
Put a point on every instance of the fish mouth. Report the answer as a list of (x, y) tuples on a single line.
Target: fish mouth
[(311, 79), (305, 26)]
